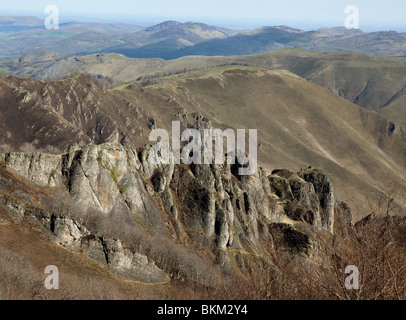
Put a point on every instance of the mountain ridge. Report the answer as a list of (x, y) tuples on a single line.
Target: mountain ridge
[(172, 39), (375, 83)]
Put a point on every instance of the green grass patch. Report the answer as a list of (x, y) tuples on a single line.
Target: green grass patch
[(122, 189), (114, 174)]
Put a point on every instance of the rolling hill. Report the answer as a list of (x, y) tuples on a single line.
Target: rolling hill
[(375, 83), (85, 38)]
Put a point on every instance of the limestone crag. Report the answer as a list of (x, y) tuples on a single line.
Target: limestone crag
[(228, 215)]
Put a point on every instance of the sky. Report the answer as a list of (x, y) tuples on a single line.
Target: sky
[(242, 14)]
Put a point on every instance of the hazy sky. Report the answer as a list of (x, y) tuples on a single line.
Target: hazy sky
[(307, 14)]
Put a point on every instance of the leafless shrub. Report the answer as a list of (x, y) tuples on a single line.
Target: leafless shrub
[(170, 256), (380, 252)]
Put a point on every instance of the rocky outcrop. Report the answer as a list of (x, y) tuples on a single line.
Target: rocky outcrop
[(308, 196), (71, 234), (207, 205)]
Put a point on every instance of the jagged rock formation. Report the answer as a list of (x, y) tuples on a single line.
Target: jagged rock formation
[(228, 216)]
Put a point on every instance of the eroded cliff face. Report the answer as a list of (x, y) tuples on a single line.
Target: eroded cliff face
[(205, 208)]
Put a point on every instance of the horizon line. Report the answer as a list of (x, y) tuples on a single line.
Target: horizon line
[(236, 24)]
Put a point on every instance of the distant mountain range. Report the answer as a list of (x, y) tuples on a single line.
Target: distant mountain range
[(20, 38), (171, 39), (11, 24)]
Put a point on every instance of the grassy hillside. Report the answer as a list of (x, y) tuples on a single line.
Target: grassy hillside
[(375, 83), (396, 111), (369, 81)]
